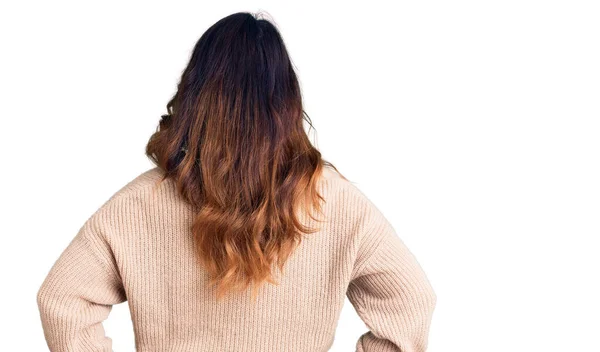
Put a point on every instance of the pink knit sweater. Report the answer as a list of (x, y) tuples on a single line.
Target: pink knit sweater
[(137, 247)]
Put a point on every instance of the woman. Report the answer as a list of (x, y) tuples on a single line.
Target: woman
[(241, 238)]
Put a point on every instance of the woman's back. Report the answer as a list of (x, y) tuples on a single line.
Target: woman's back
[(138, 247), (196, 245)]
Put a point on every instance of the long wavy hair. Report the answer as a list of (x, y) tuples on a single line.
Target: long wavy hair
[(234, 141)]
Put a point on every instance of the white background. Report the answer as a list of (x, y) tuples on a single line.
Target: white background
[(473, 125)]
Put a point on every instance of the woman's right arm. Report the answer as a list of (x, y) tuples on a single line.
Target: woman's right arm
[(390, 292)]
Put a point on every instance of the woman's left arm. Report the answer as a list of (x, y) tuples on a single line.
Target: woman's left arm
[(78, 293)]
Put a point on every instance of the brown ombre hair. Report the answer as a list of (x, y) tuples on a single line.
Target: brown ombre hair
[(234, 141)]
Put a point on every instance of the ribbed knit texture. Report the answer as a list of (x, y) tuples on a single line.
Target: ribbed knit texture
[(137, 247)]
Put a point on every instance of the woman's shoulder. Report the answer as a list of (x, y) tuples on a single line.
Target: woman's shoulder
[(137, 191), (341, 189), (329, 173), (333, 178), (143, 182)]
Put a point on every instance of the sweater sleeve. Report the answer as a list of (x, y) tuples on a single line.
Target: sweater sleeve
[(79, 291), (390, 292)]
